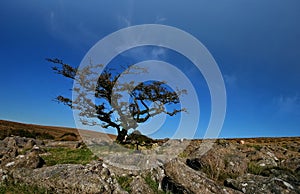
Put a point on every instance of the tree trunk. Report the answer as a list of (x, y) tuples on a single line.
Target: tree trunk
[(121, 135)]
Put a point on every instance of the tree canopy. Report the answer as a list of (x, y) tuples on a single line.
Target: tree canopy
[(108, 107)]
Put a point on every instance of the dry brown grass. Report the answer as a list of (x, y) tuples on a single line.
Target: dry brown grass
[(59, 133)]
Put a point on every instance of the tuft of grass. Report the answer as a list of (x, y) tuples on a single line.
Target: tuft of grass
[(11, 187), (183, 155), (137, 136), (153, 184), (68, 156), (255, 169), (225, 175), (255, 146), (221, 142), (214, 170), (124, 182)]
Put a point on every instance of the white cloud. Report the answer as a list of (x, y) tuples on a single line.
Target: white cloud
[(158, 52)]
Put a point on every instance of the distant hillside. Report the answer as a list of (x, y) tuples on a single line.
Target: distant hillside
[(8, 128)]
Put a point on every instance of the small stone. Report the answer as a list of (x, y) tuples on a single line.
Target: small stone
[(30, 143), (244, 190), (109, 180), (10, 164), (105, 172), (4, 177), (288, 185), (21, 156)]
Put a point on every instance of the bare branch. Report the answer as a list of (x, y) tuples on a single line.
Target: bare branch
[(109, 108)]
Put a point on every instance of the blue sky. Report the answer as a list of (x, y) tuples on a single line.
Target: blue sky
[(255, 43)]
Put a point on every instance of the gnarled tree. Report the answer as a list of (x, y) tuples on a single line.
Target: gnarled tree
[(147, 99)]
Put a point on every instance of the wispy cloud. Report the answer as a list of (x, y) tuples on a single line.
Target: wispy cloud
[(52, 20), (288, 104), (75, 33), (158, 53), (160, 20), (230, 80), (124, 21), (142, 53), (146, 53)]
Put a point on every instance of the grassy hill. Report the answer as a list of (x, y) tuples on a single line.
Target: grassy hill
[(8, 128)]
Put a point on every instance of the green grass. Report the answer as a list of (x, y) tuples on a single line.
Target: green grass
[(153, 184), (215, 172), (137, 136), (20, 188), (221, 142), (255, 169), (124, 182), (255, 146), (183, 154), (68, 156)]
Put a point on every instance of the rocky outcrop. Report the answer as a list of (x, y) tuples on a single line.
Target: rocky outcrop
[(138, 185), (230, 167), (19, 152), (186, 180), (70, 178), (252, 184), (171, 186)]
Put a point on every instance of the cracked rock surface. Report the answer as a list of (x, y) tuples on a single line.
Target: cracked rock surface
[(254, 166)]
